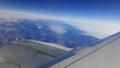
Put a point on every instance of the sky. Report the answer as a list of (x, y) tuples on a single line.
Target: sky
[(102, 14), (109, 9)]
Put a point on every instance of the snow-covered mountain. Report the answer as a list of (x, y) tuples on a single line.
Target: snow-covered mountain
[(23, 26)]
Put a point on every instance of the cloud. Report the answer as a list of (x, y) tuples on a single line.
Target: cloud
[(10, 15), (97, 29), (58, 29)]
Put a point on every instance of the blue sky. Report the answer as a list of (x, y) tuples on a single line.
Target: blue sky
[(104, 9), (106, 13)]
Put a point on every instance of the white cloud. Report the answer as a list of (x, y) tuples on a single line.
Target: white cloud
[(6, 15), (58, 29), (10, 15), (97, 29)]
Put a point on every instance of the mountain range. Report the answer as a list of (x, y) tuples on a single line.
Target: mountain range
[(50, 31)]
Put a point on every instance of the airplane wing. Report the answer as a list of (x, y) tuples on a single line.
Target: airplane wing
[(106, 54), (28, 54), (31, 54)]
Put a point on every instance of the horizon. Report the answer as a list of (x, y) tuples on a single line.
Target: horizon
[(86, 15), (89, 27)]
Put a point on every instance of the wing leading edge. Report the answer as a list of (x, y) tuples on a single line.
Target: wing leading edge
[(104, 55)]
